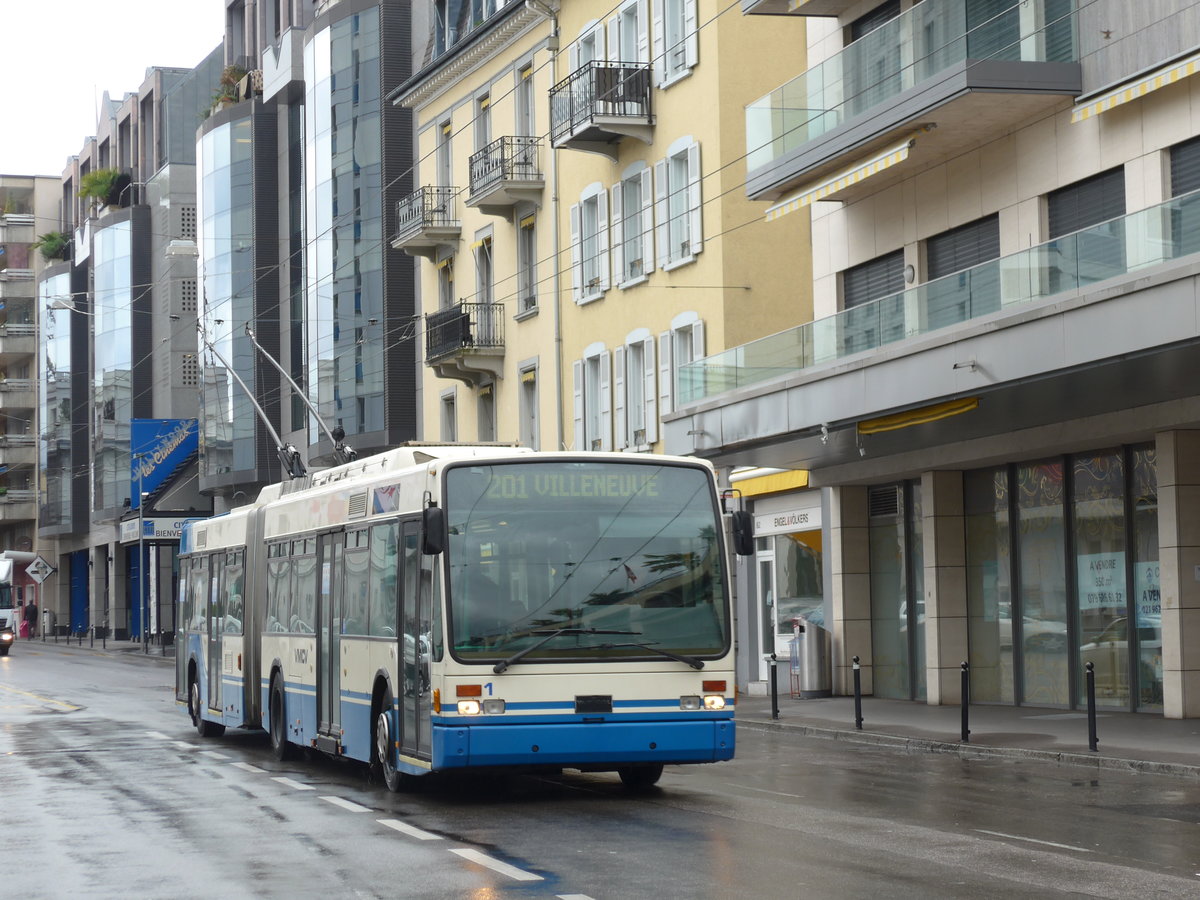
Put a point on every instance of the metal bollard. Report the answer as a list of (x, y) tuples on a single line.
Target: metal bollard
[(857, 695), (774, 688), (1091, 706), (966, 699)]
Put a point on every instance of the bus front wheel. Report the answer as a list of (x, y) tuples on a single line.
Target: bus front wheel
[(638, 778), (279, 742), (204, 727), (383, 757)]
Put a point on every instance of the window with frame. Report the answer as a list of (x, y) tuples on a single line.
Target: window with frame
[(483, 122), (589, 244), (443, 155), (633, 226), (528, 409), (449, 418), (527, 264), (446, 283), (485, 408), (676, 40), (356, 564), (678, 204), (635, 392), (524, 103), (482, 249), (683, 344), (384, 554), (628, 36), (593, 399)]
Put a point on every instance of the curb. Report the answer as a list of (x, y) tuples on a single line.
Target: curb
[(119, 653), (967, 751)]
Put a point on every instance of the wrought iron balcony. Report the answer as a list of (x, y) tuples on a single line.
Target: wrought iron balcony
[(427, 219), (506, 172), (466, 341), (599, 104)]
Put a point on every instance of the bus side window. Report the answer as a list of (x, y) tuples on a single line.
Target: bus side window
[(355, 583), (279, 575), (305, 594), (384, 562)]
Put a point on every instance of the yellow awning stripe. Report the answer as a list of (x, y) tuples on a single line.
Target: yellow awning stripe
[(1168, 74), (918, 416), (773, 484), (529, 376), (858, 173), (528, 221)]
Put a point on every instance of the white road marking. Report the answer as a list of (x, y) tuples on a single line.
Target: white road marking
[(574, 897), (246, 767), (496, 865), (287, 782), (746, 787), (156, 734), (345, 804), (184, 745), (1017, 837), (213, 754), (410, 830)]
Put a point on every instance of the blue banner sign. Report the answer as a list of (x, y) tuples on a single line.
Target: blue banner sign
[(157, 447)]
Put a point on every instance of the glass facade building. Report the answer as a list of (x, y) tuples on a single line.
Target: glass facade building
[(56, 401), (225, 210), (344, 186), (112, 370)]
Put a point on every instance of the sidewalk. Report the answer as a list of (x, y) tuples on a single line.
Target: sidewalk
[(129, 648), (1132, 742)]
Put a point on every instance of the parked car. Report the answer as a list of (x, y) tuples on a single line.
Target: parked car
[(1109, 655), (1037, 635)]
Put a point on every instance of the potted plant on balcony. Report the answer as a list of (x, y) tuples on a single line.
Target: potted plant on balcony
[(102, 186), (53, 245), (228, 88)]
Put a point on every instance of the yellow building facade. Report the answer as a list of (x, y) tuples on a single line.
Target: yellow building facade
[(581, 218)]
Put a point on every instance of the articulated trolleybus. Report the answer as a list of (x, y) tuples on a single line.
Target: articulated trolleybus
[(444, 608)]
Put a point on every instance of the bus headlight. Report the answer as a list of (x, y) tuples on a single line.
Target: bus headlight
[(714, 701), (6, 637), (468, 707), (493, 707), (692, 702)]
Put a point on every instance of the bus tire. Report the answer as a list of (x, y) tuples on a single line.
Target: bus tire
[(278, 721), (638, 778), (204, 727), (382, 742)]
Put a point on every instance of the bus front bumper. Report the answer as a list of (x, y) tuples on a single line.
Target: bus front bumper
[(582, 744)]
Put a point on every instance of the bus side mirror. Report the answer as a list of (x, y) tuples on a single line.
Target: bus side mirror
[(743, 533), (433, 530)]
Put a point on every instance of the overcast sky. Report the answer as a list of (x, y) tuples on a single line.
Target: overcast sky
[(60, 56)]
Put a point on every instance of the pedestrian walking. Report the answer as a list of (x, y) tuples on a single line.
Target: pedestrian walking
[(31, 620)]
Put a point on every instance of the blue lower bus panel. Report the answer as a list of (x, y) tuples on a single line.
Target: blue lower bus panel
[(582, 744)]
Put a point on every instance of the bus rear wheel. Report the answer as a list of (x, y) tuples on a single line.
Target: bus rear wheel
[(383, 756), (638, 778), (204, 727), (278, 712)]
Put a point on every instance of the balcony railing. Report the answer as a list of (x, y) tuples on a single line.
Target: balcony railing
[(598, 90), (467, 326), (512, 158), (426, 207), (1135, 242), (914, 47)]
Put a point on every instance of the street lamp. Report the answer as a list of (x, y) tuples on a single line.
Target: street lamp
[(141, 574)]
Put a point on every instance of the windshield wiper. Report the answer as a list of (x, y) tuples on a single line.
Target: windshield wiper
[(549, 636), (690, 660)]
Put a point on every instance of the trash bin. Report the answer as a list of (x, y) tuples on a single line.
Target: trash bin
[(811, 676)]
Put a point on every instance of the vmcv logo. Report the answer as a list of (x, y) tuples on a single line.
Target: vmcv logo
[(302, 656)]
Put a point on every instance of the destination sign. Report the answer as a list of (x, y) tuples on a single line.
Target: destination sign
[(571, 485)]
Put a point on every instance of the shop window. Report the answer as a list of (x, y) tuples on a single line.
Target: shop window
[(897, 591)]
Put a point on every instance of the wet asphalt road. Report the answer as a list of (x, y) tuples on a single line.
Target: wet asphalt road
[(106, 791)]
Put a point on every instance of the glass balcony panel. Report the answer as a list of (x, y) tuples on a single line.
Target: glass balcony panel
[(1149, 237), (928, 39)]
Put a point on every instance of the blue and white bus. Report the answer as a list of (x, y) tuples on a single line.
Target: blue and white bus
[(441, 608)]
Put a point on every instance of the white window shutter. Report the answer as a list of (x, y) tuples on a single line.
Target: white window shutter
[(662, 213), (602, 238), (658, 60), (650, 394), (577, 376), (643, 32), (606, 401), (614, 39), (691, 39), (618, 233), (698, 340), (647, 220), (620, 419), (695, 201), (573, 56), (598, 31), (666, 354), (576, 254)]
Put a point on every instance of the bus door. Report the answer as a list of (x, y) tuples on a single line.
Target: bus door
[(215, 625), (415, 616), (329, 634)]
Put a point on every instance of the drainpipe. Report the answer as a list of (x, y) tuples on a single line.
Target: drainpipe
[(540, 8)]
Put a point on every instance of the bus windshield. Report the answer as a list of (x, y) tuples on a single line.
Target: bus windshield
[(6, 596), (563, 561)]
